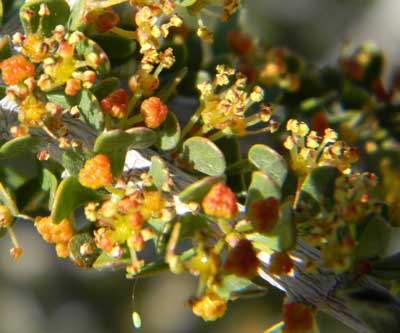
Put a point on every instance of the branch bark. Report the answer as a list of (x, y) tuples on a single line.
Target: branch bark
[(315, 289)]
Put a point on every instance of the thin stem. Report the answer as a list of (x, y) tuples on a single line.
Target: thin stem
[(238, 166), (300, 182), (133, 120), (124, 33), (117, 192), (107, 3), (24, 217), (133, 101), (49, 132), (216, 136), (13, 237), (164, 94), (193, 120), (224, 226)]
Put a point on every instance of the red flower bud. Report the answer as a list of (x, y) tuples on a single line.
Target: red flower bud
[(264, 214), (220, 201), (242, 260), (116, 103), (280, 263), (153, 111)]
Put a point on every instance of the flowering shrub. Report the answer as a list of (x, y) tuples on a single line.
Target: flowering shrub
[(244, 213)]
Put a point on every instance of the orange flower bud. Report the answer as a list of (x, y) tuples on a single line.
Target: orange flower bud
[(298, 318), (116, 103), (128, 203), (242, 260), (96, 172), (136, 220), (16, 69), (280, 263), (54, 233), (72, 87), (221, 202), (210, 307), (153, 111), (264, 214)]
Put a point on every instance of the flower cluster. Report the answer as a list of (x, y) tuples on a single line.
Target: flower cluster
[(216, 257), (333, 231), (224, 105), (46, 63), (120, 222), (308, 150)]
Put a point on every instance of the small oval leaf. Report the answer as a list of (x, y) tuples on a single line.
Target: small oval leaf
[(196, 191), (204, 156), (19, 146), (269, 161), (69, 196)]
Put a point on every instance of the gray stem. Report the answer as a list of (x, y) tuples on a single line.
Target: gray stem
[(315, 289)]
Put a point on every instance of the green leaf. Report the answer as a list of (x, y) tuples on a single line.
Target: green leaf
[(3, 92), (7, 200), (282, 237), (69, 196), (269, 161), (5, 47), (354, 97), (191, 223), (261, 187), (232, 284), (89, 107), (75, 246), (90, 110), (378, 308), (105, 262), (19, 146), (387, 268), (231, 149), (204, 156), (159, 171), (105, 87), (318, 189), (143, 137), (87, 47), (59, 13), (74, 159), (168, 133), (75, 20), (373, 239), (49, 184), (185, 3), (196, 191), (1, 13), (115, 144), (59, 97), (116, 46)]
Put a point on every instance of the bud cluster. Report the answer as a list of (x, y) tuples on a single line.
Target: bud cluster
[(58, 234)]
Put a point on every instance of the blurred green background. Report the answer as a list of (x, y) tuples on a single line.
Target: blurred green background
[(43, 294)]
